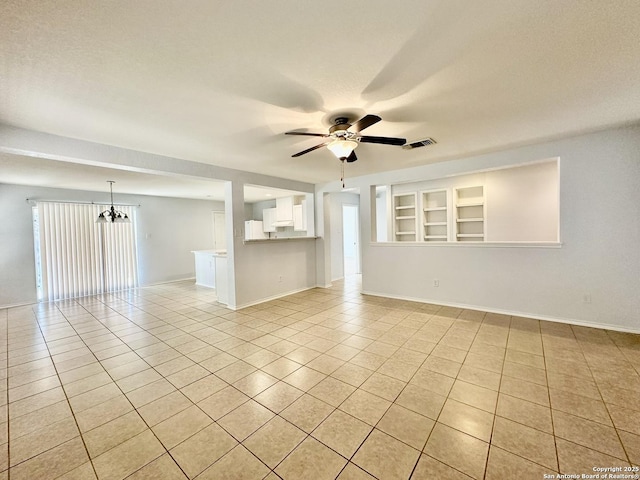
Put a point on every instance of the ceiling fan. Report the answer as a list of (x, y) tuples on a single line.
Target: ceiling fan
[(343, 138)]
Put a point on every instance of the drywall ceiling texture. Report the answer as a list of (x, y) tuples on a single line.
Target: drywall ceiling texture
[(220, 82)]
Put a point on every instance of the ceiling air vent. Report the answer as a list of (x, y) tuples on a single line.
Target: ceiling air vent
[(421, 143)]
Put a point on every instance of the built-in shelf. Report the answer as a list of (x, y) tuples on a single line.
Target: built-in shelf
[(435, 221), (435, 209), (405, 217), (470, 213)]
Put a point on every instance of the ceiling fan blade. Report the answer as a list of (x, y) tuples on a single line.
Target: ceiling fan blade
[(352, 158), (364, 122), (310, 149), (383, 140), (307, 134)]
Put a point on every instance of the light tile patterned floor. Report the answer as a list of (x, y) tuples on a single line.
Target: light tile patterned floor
[(163, 383)]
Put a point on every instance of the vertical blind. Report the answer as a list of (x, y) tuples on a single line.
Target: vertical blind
[(80, 257)]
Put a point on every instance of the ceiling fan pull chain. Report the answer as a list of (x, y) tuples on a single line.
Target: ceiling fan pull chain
[(342, 172)]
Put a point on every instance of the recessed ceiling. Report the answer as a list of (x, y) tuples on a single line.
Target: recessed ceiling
[(220, 82)]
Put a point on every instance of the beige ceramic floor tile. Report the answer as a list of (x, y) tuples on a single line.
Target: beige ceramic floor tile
[(352, 374), (233, 372), (203, 388), (429, 468), (432, 381), (83, 472), (342, 432), (307, 412), (279, 396), (311, 459), (631, 444), (365, 406), (181, 426), (255, 383), (126, 458), (527, 413), (304, 378), (274, 441), (479, 377), (39, 419), (473, 395), (503, 464), (467, 419), (421, 401), (113, 433), (576, 459), (587, 433), (238, 464), (537, 446), (52, 463), (383, 386), (245, 419), (625, 419), (458, 450), (353, 472), (525, 390), (41, 440), (222, 402), (161, 468), (374, 454), (581, 406), (164, 407), (148, 393), (103, 413), (332, 391), (406, 426), (203, 449)]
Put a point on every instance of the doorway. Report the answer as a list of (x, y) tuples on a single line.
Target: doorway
[(350, 239)]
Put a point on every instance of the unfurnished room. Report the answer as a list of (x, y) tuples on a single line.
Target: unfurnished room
[(319, 240)]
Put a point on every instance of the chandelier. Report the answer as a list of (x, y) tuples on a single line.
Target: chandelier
[(111, 214)]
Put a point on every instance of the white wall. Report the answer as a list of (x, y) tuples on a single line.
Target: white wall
[(600, 233), (168, 229)]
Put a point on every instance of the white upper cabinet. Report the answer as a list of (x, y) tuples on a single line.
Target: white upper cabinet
[(269, 220), (284, 209)]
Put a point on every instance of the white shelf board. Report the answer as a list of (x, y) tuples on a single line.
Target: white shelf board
[(470, 204), (470, 235), (404, 207), (434, 224), (435, 209), (406, 217), (426, 237), (405, 233), (463, 220)]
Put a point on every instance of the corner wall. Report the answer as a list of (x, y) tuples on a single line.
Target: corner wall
[(599, 258)]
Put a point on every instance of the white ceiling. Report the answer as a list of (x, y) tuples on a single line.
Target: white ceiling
[(220, 82)]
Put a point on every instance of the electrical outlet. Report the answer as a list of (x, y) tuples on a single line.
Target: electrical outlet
[(586, 298), (436, 283)]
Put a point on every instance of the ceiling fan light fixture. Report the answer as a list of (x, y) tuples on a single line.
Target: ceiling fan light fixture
[(342, 148)]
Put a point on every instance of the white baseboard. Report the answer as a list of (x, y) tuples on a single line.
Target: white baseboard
[(268, 299), (535, 316), (14, 305), (168, 281)]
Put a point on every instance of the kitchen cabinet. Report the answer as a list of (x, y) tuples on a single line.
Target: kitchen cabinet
[(269, 220)]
